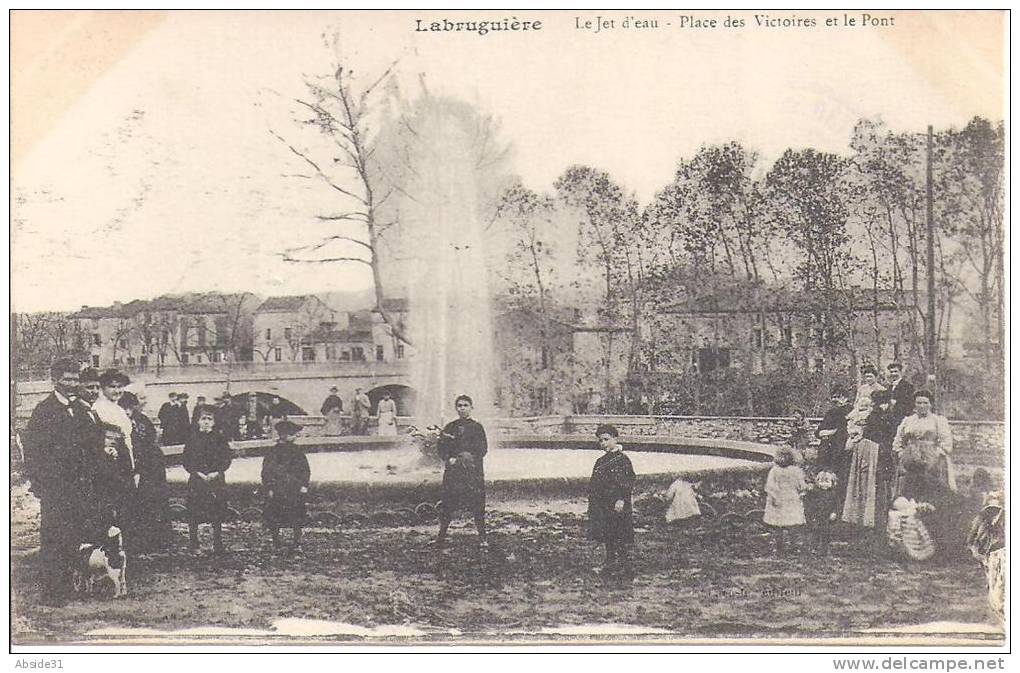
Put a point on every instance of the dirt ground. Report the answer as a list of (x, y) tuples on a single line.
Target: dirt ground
[(694, 581)]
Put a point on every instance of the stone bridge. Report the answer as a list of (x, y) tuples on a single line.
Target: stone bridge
[(303, 385)]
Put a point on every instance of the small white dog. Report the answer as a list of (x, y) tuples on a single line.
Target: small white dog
[(106, 560)]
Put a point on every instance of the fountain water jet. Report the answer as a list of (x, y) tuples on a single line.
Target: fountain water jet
[(450, 313)]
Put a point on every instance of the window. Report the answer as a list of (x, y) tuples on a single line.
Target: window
[(144, 360), (331, 352), (288, 333), (185, 358), (198, 359), (787, 335), (269, 334), (277, 354), (710, 359), (97, 340), (144, 349), (95, 360), (379, 353), (357, 353), (131, 360), (308, 353), (546, 359), (819, 365), (345, 356), (400, 351), (217, 357), (756, 338)]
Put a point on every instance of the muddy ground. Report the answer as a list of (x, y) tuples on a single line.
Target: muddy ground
[(695, 580)]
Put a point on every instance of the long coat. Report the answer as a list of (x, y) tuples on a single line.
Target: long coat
[(169, 423), (150, 518), (612, 480), (464, 481), (206, 452), (832, 453), (107, 480), (903, 395), (285, 471), (55, 466)]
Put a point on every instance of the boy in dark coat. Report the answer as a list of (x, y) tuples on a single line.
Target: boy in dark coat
[(206, 458), (609, 501), (462, 446), (285, 479)]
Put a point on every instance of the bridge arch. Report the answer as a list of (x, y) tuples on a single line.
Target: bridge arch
[(404, 396), (242, 402)]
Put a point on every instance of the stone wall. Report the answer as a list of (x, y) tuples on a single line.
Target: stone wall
[(975, 443)]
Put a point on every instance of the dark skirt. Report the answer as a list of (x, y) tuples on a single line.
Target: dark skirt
[(285, 511), (207, 500), (464, 485)]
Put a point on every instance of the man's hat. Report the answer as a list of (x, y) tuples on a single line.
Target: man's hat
[(89, 375), (333, 389), (286, 427), (182, 395)]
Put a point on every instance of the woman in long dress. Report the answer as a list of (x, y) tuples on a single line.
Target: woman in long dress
[(387, 416), (149, 529), (867, 498), (923, 447)]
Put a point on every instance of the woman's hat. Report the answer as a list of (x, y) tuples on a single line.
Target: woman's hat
[(287, 428), (113, 377)]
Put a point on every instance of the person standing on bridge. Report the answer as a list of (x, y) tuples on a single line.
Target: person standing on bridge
[(462, 446), (169, 422), (332, 410), (362, 409), (387, 412)]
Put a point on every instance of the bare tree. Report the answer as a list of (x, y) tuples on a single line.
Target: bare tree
[(340, 111)]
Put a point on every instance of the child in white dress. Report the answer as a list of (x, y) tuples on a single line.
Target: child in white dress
[(907, 534), (784, 508)]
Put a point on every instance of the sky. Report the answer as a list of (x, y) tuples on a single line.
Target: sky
[(143, 161)]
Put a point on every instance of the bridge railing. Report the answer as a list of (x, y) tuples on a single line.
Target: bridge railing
[(220, 370)]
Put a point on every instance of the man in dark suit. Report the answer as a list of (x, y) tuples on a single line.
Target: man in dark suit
[(168, 422), (54, 465), (902, 392), (199, 403), (183, 417), (95, 516)]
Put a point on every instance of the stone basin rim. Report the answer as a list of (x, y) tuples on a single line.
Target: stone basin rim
[(678, 444)]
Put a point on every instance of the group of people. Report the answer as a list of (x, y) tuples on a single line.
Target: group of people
[(361, 410), (176, 422), (93, 460), (883, 464)]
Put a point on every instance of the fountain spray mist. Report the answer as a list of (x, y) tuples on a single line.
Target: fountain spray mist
[(450, 313)]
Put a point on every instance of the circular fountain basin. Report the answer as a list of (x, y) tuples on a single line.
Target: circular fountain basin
[(403, 466), (386, 469)]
